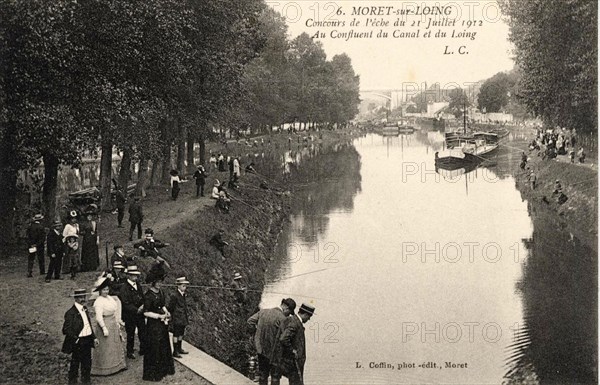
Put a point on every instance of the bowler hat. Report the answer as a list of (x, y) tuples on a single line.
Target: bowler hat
[(79, 293), (117, 247), (290, 303), (148, 231), (304, 308)]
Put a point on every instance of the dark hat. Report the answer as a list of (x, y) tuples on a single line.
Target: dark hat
[(304, 308), (57, 224), (156, 273), (174, 172), (38, 217), (117, 246), (104, 284), (91, 209), (149, 231), (136, 198), (79, 293), (290, 303)]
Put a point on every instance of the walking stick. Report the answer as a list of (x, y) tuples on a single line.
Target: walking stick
[(106, 255)]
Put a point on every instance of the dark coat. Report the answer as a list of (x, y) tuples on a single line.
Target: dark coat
[(150, 248), (36, 234), (268, 324), (54, 244), (121, 258), (135, 212), (71, 329), (121, 199), (177, 306), (131, 300), (200, 177), (291, 338)]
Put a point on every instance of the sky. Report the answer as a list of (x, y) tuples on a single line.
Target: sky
[(401, 63)]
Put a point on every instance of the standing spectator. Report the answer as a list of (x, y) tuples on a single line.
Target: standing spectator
[(221, 161), (230, 164), (132, 300), (179, 311), (136, 216), (118, 279), (213, 162), (581, 155), (55, 249), (236, 167), (200, 176), (290, 355), (109, 357), (158, 359), (36, 234), (267, 323), (90, 259), (79, 338), (175, 181), (121, 199)]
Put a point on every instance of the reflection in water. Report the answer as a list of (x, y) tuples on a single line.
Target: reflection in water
[(557, 341), (370, 251)]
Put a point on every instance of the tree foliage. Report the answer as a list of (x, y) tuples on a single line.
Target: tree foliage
[(556, 49)]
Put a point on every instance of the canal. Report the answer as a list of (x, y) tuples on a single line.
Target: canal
[(420, 276)]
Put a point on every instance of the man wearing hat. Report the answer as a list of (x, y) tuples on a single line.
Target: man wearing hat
[(136, 216), (118, 278), (36, 234), (267, 323), (149, 245), (290, 354), (239, 290), (132, 300), (118, 256), (79, 338), (200, 176), (177, 306), (55, 250)]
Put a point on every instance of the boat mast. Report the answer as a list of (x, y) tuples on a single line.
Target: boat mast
[(465, 116)]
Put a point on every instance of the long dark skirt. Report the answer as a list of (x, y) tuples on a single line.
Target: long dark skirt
[(158, 358), (90, 259)]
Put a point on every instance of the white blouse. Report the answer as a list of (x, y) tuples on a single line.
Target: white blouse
[(108, 306)]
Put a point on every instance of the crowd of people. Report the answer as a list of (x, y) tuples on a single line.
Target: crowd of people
[(559, 141)]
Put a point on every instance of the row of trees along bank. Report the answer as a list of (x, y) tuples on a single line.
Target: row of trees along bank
[(146, 75)]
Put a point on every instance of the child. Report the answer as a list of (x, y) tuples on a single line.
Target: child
[(179, 313)]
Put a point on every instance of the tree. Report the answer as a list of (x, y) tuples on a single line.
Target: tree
[(556, 50), (459, 101), (495, 92)]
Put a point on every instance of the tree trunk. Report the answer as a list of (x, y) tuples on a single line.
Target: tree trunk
[(106, 174), (8, 190), (190, 153), (181, 147), (202, 150), (140, 188), (166, 164), (50, 187), (154, 173), (125, 170)]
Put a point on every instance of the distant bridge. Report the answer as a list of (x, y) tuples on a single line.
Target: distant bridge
[(394, 97)]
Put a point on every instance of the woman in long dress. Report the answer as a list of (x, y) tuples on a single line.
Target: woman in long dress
[(90, 259), (108, 357), (71, 259), (158, 359)]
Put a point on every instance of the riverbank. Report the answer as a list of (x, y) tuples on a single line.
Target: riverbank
[(31, 335), (578, 215)]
